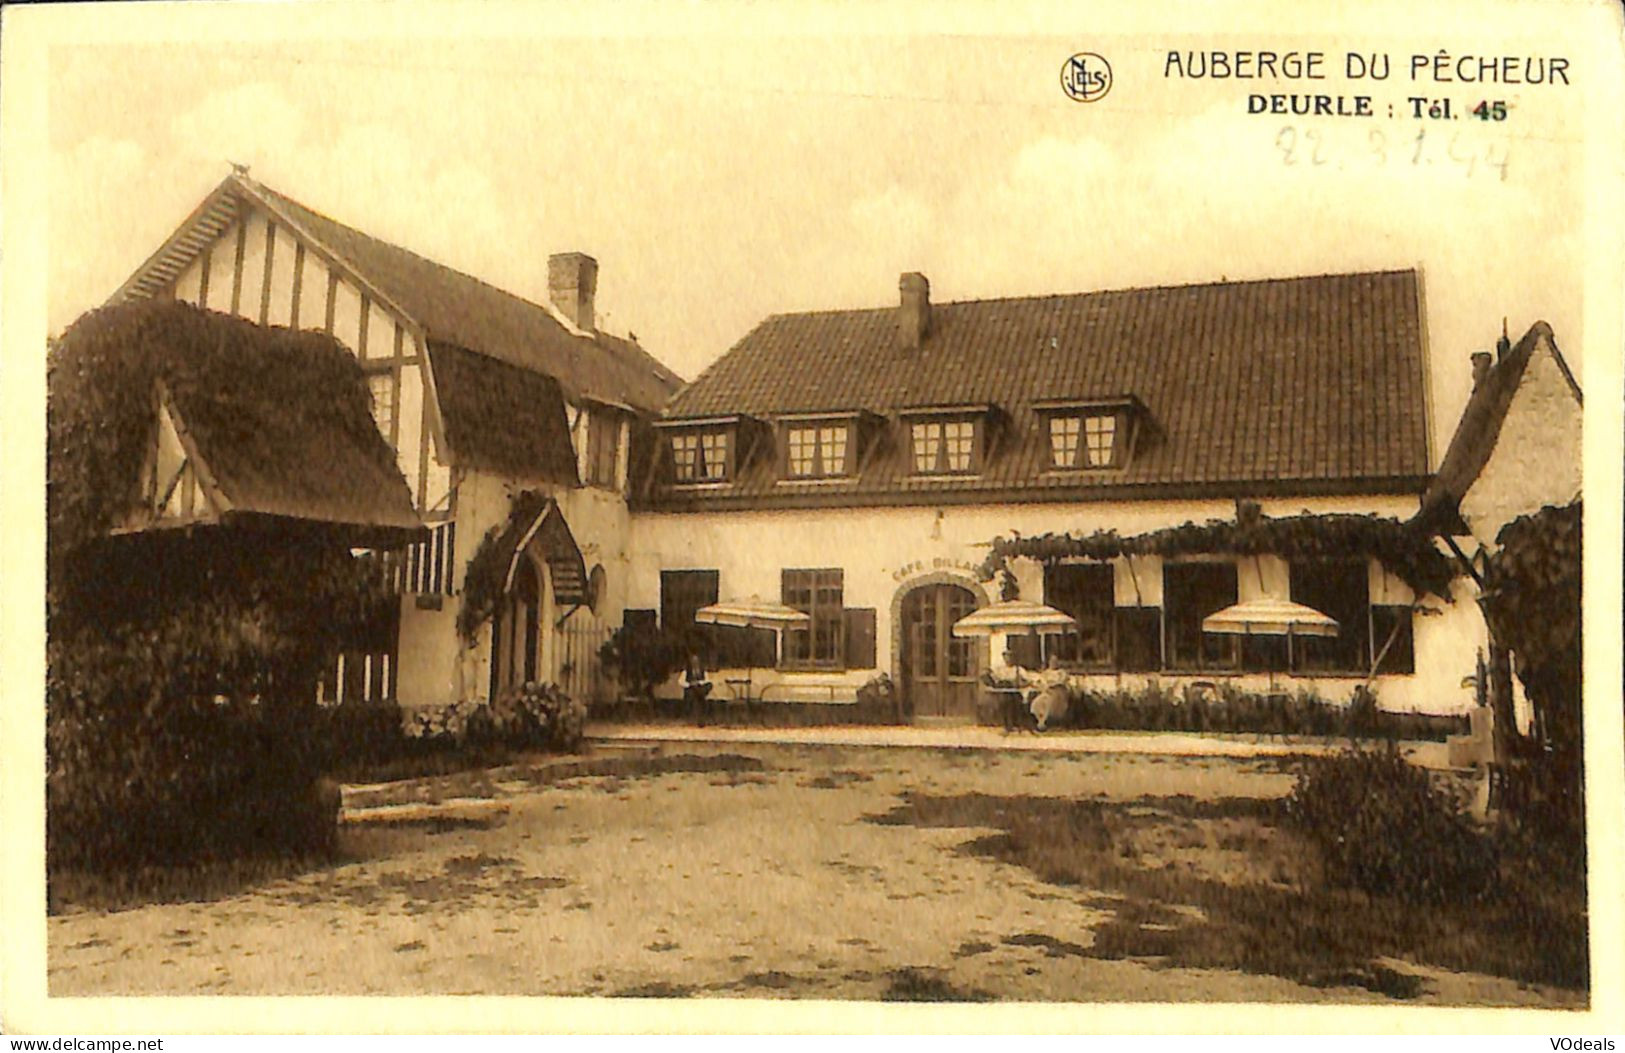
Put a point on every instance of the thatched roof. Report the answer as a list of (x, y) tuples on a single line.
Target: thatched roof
[(1480, 428), (502, 418), (282, 420), (456, 308)]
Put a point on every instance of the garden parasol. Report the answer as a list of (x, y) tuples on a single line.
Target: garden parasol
[(1270, 616), (754, 613), (1009, 616)]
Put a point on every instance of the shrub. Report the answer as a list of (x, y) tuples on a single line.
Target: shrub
[(538, 716), (645, 656), (1382, 827)]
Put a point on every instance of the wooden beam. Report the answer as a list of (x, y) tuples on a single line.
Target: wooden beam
[(237, 266), (395, 391), (206, 263), (265, 280), (298, 282), (332, 298)]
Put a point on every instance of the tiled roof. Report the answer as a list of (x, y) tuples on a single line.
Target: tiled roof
[(1246, 386), (458, 309), (502, 418), (1480, 427)]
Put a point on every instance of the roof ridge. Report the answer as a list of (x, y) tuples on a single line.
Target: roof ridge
[(552, 312), (1223, 283)]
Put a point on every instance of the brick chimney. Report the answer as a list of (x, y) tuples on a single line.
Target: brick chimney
[(572, 279), (1482, 360), (914, 311)]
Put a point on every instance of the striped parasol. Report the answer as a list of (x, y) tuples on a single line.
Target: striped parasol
[(1270, 617), (1015, 616), (752, 613)]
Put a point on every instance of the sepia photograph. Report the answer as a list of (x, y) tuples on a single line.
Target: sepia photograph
[(771, 505)]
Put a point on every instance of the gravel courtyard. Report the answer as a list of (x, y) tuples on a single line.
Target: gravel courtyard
[(751, 870)]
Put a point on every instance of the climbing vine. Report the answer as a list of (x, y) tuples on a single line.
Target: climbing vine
[(1531, 600), (488, 567), (1402, 549)]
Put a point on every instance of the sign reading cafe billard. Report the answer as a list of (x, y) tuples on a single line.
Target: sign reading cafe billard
[(923, 566)]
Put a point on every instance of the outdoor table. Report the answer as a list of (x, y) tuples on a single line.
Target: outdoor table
[(1013, 704)]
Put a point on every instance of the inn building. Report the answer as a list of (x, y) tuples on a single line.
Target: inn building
[(489, 402), (858, 464)]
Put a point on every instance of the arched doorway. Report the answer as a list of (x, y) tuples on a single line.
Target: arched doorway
[(938, 670), (517, 631)]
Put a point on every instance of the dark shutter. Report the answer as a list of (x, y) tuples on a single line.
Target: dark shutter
[(1401, 656), (682, 592), (860, 638), (639, 620), (1139, 639), (1026, 650)]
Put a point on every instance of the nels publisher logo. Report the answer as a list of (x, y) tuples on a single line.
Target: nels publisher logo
[(1086, 77)]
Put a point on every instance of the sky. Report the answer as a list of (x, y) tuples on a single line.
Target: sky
[(719, 178)]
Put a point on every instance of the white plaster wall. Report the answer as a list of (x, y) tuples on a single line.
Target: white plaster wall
[(282, 260), (253, 267), (222, 261), (428, 654), (312, 294), (883, 550), (1536, 461), (188, 284)]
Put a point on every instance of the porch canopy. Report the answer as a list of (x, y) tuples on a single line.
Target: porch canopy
[(1270, 617), (553, 542), (1015, 616)]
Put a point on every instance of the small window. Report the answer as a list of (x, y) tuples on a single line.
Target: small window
[(701, 456), (382, 386), (944, 447), (1092, 440), (821, 595), (603, 448), (817, 451)]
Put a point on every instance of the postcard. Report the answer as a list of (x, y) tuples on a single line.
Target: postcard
[(760, 517)]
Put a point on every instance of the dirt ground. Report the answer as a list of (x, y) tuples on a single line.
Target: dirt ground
[(746, 871)]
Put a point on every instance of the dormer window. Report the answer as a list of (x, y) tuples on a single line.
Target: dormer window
[(944, 447), (946, 441), (1088, 441), (701, 456), (711, 451), (818, 450), (1088, 436)]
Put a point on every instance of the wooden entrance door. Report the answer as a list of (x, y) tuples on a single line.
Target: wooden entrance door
[(939, 669)]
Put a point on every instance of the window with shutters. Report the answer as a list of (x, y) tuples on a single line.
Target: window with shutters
[(1191, 592), (1086, 592), (820, 594)]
